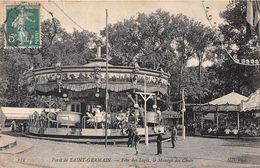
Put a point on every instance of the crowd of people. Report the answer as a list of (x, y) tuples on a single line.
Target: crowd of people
[(231, 131), (134, 138), (18, 127)]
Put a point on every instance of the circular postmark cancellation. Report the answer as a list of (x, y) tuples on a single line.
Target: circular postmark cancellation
[(22, 26)]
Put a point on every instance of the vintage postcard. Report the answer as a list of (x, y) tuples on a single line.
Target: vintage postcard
[(136, 83)]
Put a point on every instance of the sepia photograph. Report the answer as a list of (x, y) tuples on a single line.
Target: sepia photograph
[(129, 83)]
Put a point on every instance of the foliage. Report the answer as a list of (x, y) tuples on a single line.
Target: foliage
[(158, 41), (153, 40), (57, 46), (243, 79)]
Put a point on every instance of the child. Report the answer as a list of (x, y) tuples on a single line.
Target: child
[(136, 141)]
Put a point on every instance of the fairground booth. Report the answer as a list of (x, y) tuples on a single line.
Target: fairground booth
[(82, 92), (232, 114), (19, 115), (250, 115), (221, 116)]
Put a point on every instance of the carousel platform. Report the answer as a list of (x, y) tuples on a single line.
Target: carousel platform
[(253, 138), (90, 133), (92, 140)]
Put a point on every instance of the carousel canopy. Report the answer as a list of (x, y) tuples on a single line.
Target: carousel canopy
[(252, 103), (229, 102), (93, 76)]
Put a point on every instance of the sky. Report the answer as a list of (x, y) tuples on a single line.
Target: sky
[(91, 16)]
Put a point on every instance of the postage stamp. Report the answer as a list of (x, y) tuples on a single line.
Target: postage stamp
[(22, 26)]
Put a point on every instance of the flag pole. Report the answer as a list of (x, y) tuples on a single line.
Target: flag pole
[(106, 79)]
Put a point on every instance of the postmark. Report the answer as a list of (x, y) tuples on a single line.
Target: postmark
[(22, 26)]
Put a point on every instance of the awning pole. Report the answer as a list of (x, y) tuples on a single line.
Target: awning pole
[(217, 120), (238, 120), (106, 80)]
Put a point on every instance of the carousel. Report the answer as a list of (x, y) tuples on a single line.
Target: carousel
[(81, 91)]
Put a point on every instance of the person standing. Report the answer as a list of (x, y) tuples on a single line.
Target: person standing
[(129, 131), (173, 136), (159, 143), (13, 126), (136, 141), (24, 126)]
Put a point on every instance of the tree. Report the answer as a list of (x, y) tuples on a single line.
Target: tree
[(57, 46), (241, 78), (151, 39), (70, 49)]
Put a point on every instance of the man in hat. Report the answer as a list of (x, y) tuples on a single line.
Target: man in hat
[(159, 143), (173, 136), (130, 133)]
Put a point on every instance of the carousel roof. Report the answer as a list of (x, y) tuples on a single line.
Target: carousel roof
[(93, 75), (252, 103)]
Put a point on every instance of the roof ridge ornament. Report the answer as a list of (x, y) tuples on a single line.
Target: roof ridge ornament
[(99, 43), (99, 53)]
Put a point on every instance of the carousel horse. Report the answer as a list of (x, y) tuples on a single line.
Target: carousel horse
[(100, 117), (91, 119), (103, 114), (52, 117), (122, 120)]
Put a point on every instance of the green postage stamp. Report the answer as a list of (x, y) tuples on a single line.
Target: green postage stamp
[(22, 26)]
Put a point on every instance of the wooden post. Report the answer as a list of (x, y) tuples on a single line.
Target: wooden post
[(145, 98), (145, 112), (217, 120), (238, 120), (107, 96)]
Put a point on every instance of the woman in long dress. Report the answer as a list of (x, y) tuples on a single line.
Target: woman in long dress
[(13, 126)]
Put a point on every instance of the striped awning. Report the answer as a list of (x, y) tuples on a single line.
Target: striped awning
[(115, 87), (253, 102)]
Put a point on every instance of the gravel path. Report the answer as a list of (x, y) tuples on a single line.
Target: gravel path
[(192, 152)]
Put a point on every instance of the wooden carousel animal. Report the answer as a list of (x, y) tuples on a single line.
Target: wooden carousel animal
[(97, 118)]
